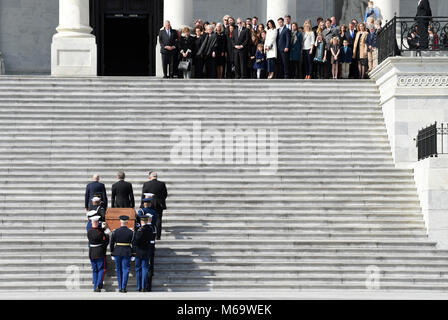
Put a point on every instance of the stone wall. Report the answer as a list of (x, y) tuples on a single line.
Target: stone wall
[(26, 29)]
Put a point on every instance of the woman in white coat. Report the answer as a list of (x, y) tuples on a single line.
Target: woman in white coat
[(270, 47)]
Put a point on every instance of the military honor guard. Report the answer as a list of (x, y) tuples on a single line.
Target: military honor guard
[(144, 241), (121, 251), (148, 208), (96, 210), (98, 242)]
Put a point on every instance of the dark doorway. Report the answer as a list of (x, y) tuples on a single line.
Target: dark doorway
[(126, 34), (126, 45)]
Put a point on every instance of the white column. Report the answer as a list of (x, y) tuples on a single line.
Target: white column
[(388, 8), (279, 8), (74, 50), (180, 14)]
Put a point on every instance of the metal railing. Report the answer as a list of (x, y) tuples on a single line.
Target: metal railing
[(432, 140), (402, 34)]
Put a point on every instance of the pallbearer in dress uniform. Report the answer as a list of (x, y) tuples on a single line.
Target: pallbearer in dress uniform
[(144, 240), (98, 242), (121, 251), (148, 208), (96, 210)]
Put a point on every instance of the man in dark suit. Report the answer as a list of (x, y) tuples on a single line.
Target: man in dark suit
[(350, 35), (168, 48), (95, 188), (424, 15), (241, 36), (158, 189), (283, 47), (122, 193)]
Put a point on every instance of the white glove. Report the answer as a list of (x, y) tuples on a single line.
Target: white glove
[(113, 258), (132, 259)]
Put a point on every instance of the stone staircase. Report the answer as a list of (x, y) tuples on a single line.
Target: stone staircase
[(333, 214)]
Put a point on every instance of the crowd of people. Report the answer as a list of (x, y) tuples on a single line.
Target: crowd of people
[(126, 244), (238, 48), (245, 48)]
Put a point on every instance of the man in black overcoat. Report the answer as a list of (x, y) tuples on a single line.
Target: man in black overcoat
[(122, 193), (158, 189)]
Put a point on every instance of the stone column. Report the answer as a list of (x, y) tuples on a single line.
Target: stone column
[(388, 8), (279, 8), (180, 14), (74, 50)]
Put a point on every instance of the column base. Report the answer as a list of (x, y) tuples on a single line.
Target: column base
[(159, 68), (74, 57)]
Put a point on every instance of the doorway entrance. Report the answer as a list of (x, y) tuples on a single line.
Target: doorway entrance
[(126, 33), (126, 45)]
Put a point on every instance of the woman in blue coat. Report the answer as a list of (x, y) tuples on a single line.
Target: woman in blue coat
[(296, 50)]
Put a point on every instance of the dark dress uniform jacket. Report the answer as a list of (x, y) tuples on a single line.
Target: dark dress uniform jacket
[(122, 195), (92, 189), (98, 241), (144, 240), (121, 235), (157, 188)]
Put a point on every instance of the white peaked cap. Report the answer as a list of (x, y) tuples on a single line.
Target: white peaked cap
[(91, 213)]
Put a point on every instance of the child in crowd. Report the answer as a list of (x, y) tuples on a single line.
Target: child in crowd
[(372, 49), (321, 56), (260, 60), (345, 59), (335, 52)]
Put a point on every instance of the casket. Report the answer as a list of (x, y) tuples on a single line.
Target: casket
[(113, 217)]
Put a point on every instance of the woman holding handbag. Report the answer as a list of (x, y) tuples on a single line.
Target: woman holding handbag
[(186, 44)]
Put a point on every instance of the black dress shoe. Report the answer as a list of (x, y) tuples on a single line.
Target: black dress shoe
[(97, 290)]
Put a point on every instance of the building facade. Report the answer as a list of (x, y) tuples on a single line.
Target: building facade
[(27, 27)]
